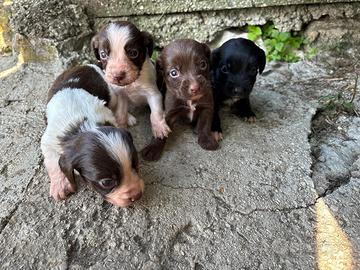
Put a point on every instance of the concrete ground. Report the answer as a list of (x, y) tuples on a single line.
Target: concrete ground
[(253, 204)]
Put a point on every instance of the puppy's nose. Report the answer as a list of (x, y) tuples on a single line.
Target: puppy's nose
[(238, 90), (136, 197), (119, 76), (194, 88)]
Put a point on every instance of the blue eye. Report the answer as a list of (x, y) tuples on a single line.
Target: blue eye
[(203, 65), (174, 73), (107, 183), (103, 55)]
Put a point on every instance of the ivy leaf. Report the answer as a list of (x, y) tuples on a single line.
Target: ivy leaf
[(283, 36), (254, 32), (279, 47)]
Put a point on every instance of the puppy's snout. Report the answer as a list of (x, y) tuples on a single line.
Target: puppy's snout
[(238, 91), (194, 88), (136, 197), (119, 76)]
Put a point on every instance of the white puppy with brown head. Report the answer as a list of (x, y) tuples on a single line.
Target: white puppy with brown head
[(81, 136), (124, 52)]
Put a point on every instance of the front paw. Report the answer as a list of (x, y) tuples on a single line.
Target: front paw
[(131, 120), (152, 152), (121, 122), (250, 119), (61, 188), (246, 114), (218, 136), (159, 127), (208, 142)]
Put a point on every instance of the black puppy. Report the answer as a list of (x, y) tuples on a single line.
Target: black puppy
[(234, 67)]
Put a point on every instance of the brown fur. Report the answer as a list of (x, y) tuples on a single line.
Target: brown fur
[(191, 87)]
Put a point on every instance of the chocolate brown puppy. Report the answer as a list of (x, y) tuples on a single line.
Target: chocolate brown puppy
[(183, 78)]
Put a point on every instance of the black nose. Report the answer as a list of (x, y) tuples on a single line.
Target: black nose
[(136, 197), (120, 76)]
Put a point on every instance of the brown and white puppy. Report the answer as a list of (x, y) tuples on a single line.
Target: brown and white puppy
[(124, 52), (183, 69), (81, 136)]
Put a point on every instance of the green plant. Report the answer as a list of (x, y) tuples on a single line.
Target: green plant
[(155, 55), (280, 46)]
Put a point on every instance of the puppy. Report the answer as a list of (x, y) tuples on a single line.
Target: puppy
[(183, 77), (124, 53), (234, 67), (81, 136)]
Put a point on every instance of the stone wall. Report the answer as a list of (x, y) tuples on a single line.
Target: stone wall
[(66, 26)]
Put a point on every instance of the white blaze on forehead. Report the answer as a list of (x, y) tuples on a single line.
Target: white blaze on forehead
[(116, 146), (118, 37)]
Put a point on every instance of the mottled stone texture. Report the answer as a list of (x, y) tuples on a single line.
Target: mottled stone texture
[(106, 8), (68, 25), (205, 26)]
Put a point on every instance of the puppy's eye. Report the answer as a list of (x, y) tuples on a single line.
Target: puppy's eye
[(103, 55), (107, 183), (133, 53), (174, 73), (203, 65), (224, 69)]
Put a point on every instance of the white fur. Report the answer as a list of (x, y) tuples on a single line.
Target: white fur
[(74, 80), (116, 146), (118, 37), (70, 106), (143, 90)]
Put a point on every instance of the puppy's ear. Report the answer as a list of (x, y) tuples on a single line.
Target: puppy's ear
[(206, 50), (66, 166), (215, 58), (160, 75), (95, 46), (159, 64), (148, 42), (261, 59)]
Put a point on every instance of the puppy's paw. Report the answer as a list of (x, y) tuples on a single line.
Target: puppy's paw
[(121, 122), (61, 188), (131, 120), (159, 127), (208, 142), (218, 136), (151, 152), (250, 119)]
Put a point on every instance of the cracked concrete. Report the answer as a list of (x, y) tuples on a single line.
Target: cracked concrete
[(249, 205)]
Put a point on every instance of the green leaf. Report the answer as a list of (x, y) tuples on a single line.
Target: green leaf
[(254, 32), (279, 46), (283, 36)]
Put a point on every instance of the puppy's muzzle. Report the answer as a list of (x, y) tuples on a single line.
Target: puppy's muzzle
[(239, 92)]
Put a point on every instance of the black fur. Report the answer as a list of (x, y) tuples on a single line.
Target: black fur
[(234, 67)]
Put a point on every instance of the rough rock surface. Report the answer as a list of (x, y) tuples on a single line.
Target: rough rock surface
[(68, 25), (207, 25), (111, 8), (249, 205)]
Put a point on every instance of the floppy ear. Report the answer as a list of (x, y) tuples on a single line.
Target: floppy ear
[(160, 76), (261, 59), (66, 166), (95, 46), (148, 42), (206, 50), (215, 58)]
